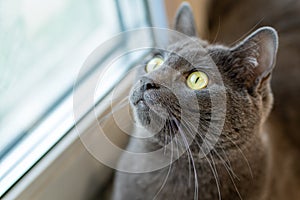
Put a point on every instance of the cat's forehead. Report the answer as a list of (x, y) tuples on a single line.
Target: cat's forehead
[(188, 52), (188, 45)]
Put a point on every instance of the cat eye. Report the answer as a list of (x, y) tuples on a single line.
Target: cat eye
[(197, 80), (154, 64)]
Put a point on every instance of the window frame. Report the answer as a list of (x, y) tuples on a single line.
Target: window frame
[(66, 137)]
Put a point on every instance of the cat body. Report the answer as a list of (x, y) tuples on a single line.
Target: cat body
[(283, 126), (235, 167), (180, 182)]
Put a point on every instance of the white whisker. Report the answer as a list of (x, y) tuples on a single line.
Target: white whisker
[(169, 170)]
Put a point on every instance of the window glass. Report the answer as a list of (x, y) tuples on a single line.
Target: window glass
[(43, 45)]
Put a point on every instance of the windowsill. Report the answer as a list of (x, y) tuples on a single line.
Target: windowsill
[(69, 171)]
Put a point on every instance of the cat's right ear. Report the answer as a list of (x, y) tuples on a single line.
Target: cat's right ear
[(184, 21)]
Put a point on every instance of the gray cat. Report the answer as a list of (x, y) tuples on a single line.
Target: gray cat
[(235, 167), (284, 122)]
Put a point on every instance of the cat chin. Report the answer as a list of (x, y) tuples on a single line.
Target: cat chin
[(149, 119), (148, 106), (142, 106)]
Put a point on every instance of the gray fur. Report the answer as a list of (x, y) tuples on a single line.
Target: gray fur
[(235, 168), (184, 20), (284, 122)]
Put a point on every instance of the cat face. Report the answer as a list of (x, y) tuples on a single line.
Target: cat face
[(185, 84), (162, 94)]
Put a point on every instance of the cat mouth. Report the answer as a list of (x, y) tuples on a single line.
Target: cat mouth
[(145, 101), (141, 105)]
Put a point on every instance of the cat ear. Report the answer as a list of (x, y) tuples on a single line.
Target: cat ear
[(184, 20), (254, 58)]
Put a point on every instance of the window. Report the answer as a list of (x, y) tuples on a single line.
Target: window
[(43, 46)]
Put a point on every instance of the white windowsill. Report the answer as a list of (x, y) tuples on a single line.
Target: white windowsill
[(69, 171)]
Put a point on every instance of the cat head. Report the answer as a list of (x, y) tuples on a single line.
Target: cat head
[(195, 78)]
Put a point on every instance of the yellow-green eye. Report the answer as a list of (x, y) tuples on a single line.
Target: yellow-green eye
[(154, 64), (197, 80)]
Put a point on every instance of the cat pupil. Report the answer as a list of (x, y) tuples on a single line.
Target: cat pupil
[(196, 79)]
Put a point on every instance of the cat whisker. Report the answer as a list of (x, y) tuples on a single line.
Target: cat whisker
[(169, 170), (218, 30), (195, 141), (189, 154), (193, 163), (227, 168), (177, 145), (247, 33), (225, 164), (191, 157), (215, 174), (243, 155), (165, 142), (230, 173), (233, 182), (227, 159)]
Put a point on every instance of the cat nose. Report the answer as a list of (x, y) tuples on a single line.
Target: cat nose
[(148, 84)]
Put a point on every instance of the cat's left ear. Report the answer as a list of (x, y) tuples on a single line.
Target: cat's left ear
[(184, 21), (256, 56)]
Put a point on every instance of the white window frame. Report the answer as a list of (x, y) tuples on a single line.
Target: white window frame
[(65, 171)]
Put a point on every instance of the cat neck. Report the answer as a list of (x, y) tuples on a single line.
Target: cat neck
[(226, 147)]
